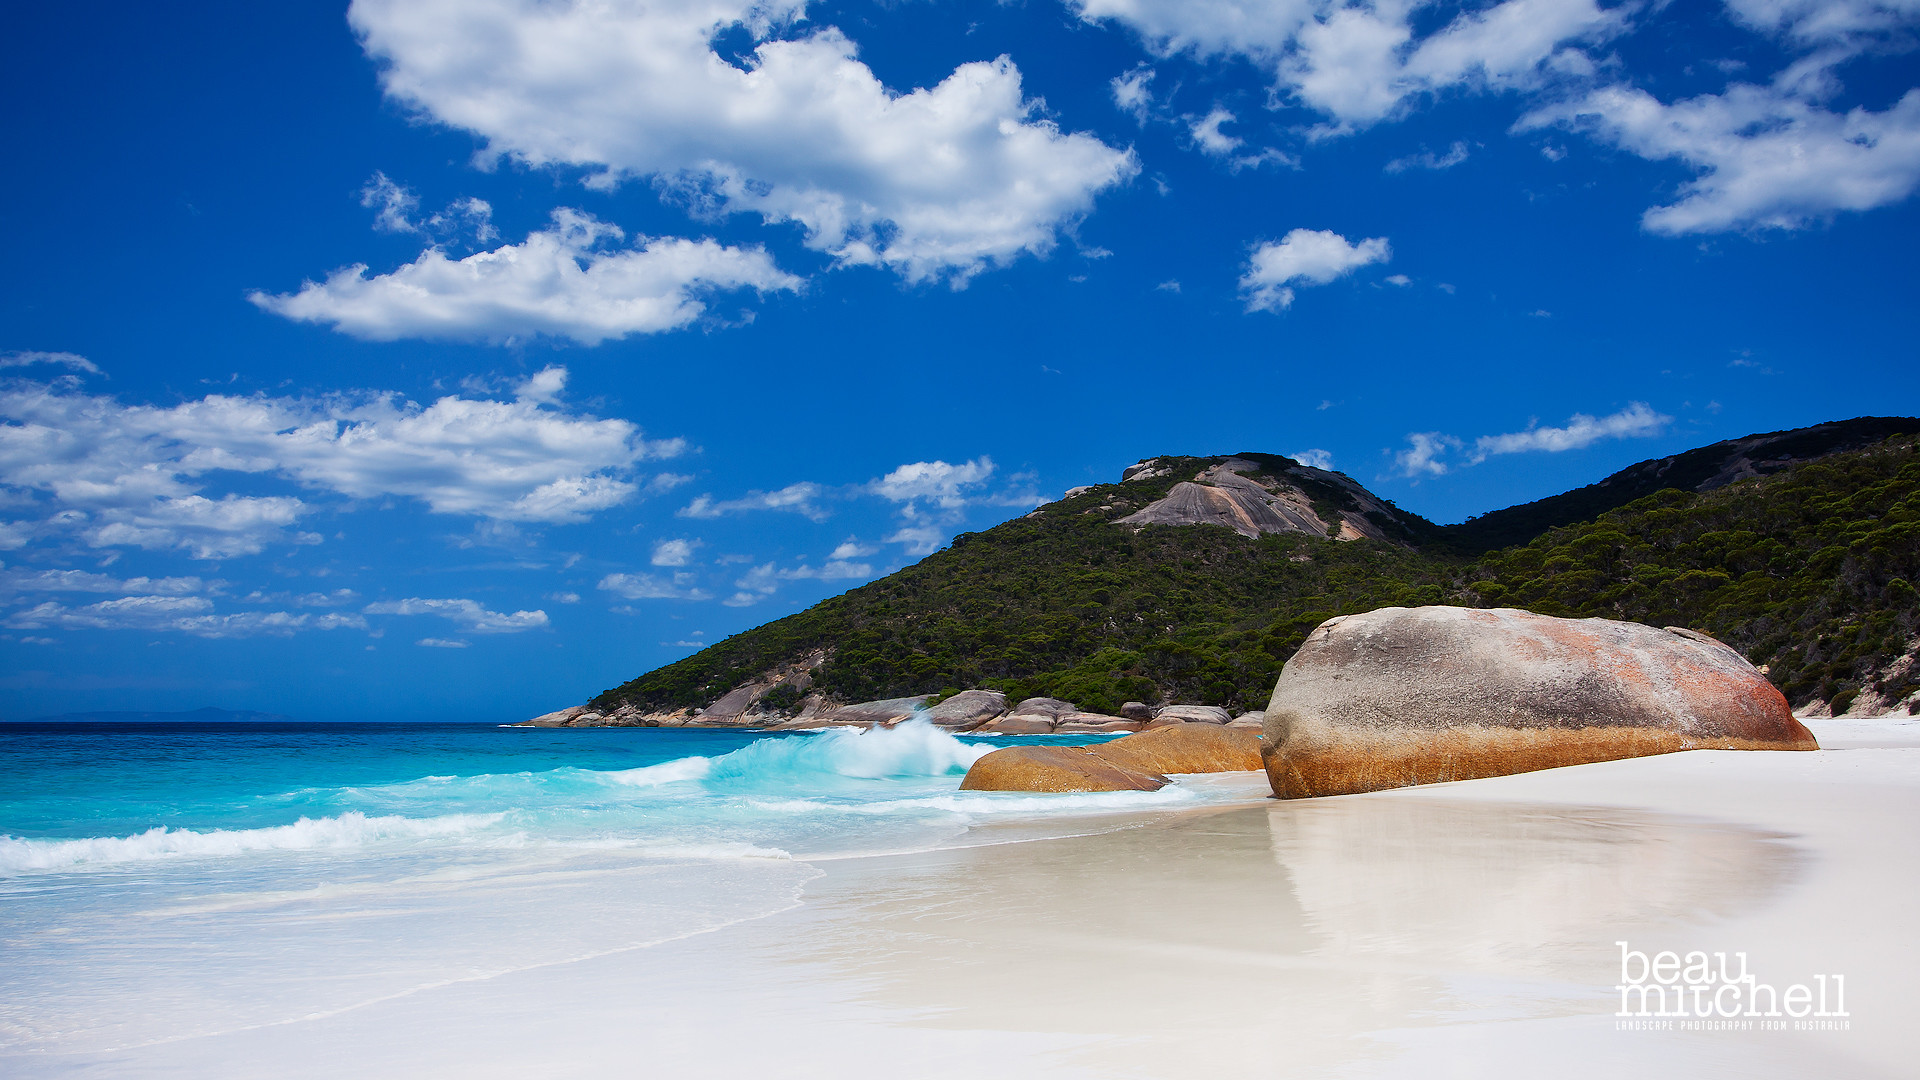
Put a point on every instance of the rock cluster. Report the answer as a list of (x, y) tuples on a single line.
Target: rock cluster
[(1139, 762), (1403, 696), (983, 711)]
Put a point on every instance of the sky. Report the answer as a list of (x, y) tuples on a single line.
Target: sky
[(459, 359)]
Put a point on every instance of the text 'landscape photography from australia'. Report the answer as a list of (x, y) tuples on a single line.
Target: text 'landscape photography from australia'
[(1060, 539)]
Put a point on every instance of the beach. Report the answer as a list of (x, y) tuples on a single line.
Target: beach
[(1458, 929)]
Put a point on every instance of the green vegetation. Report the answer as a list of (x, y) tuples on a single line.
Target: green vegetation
[(1808, 571)]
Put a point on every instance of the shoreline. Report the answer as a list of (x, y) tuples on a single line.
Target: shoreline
[(1462, 927)]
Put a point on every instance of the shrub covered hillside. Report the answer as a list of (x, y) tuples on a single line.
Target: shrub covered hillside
[(1808, 571)]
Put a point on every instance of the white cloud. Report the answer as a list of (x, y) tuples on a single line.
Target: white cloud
[(944, 485), (1423, 453), (1131, 94), (119, 474), (562, 281), (442, 643), (919, 539), (1317, 459), (648, 587), (1401, 280), (1427, 159), (1362, 63), (185, 614), (471, 615), (1304, 256), (852, 548), (798, 498), (674, 552), (1764, 157), (1826, 22), (1208, 136), (18, 580), (393, 205), (62, 359), (936, 182), (1427, 451), (1637, 420)]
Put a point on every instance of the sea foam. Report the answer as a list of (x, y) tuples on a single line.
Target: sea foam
[(349, 830)]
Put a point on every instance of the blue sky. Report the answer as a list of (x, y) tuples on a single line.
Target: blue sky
[(462, 358)]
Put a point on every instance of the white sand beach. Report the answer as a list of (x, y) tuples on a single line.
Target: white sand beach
[(1464, 929)]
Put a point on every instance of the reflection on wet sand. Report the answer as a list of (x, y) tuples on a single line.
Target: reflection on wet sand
[(1223, 937)]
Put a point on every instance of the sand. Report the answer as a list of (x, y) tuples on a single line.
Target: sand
[(1461, 929)]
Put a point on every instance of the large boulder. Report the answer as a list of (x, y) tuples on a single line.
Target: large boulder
[(1185, 748), (884, 711), (968, 709), (1018, 724), (1045, 706), (1403, 696), (1133, 763), (1055, 769)]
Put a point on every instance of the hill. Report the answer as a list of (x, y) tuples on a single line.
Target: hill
[(1806, 568), (1702, 469)]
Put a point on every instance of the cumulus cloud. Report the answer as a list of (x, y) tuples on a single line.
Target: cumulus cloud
[(674, 552), (1424, 452), (1764, 157), (134, 475), (937, 482), (1131, 92), (1208, 136), (471, 615), (938, 182), (1317, 459), (1307, 257), (680, 586), (1427, 452), (1361, 63), (801, 498), (565, 281)]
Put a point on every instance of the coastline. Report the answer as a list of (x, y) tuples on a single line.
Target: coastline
[(1462, 927)]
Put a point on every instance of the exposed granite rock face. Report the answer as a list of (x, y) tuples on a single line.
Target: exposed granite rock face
[(968, 709), (558, 718), (1055, 769), (1133, 763), (1186, 748), (1403, 696), (1237, 493), (1192, 714), (1136, 710), (1045, 706)]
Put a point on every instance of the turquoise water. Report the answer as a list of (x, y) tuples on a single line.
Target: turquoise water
[(165, 881)]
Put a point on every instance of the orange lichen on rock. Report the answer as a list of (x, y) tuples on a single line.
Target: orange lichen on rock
[(1135, 763), (1403, 696)]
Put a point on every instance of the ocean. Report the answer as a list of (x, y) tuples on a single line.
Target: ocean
[(168, 881)]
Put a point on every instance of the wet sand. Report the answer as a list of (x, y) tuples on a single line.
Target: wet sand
[(1462, 929)]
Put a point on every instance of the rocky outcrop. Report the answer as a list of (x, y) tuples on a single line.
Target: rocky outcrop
[(1192, 714), (1055, 769), (1275, 495), (1186, 748), (1403, 696), (968, 709), (1134, 763)]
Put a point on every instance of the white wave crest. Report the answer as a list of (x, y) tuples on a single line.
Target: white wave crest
[(349, 830), (667, 772), (914, 748)]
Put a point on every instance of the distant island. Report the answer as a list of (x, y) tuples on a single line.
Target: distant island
[(207, 715)]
